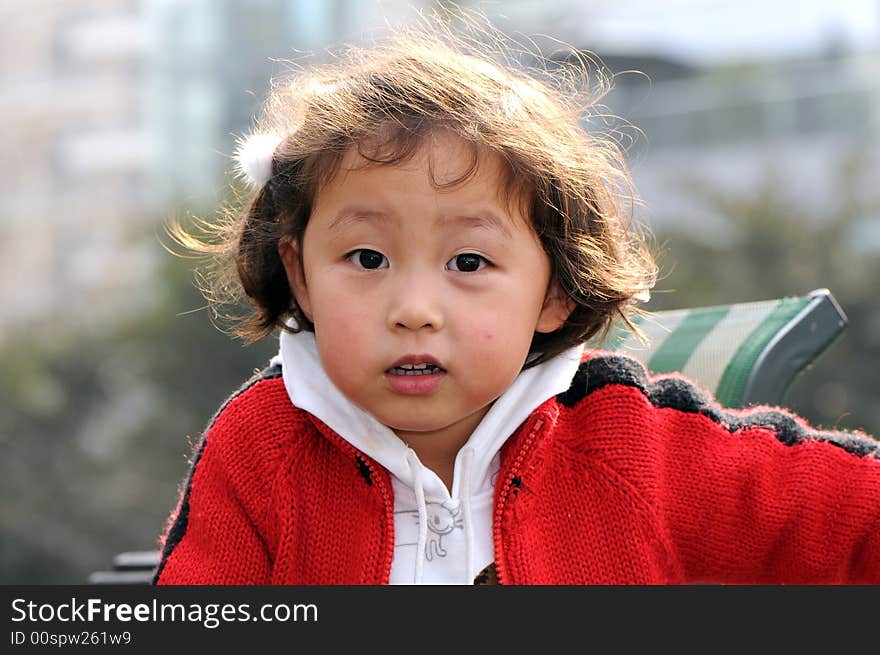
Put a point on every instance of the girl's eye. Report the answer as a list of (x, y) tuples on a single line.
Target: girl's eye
[(369, 259), (467, 262)]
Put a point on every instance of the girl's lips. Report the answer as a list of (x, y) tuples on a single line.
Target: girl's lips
[(424, 358), (415, 385)]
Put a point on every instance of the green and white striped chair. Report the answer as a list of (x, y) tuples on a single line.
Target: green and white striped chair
[(743, 353)]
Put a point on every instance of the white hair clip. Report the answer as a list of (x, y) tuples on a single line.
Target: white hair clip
[(253, 158)]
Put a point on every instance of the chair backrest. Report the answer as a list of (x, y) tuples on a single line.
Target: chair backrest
[(129, 568), (743, 353)]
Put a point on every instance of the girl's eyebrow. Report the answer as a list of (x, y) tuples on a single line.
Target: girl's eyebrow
[(484, 220), (350, 215)]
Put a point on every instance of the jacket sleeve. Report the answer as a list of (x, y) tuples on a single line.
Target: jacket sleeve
[(759, 496), (212, 539)]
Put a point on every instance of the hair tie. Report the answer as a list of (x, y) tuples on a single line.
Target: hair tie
[(253, 158)]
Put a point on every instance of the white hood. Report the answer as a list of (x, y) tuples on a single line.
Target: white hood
[(428, 515)]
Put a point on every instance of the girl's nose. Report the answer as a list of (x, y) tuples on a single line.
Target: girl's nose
[(415, 304)]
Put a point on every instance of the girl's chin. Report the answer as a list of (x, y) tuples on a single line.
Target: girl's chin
[(416, 425), (403, 427)]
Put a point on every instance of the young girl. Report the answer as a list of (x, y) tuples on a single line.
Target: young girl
[(436, 237)]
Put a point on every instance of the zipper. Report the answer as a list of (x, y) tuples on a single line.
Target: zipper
[(512, 474), (382, 488)]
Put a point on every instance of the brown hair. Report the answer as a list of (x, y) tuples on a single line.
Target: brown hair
[(385, 98)]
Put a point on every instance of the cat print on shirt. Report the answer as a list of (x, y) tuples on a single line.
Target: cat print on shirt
[(442, 520)]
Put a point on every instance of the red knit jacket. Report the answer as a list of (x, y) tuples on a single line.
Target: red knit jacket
[(622, 479)]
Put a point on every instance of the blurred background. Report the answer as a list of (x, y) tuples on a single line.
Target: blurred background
[(756, 156)]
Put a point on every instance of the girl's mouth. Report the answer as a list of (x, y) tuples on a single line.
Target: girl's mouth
[(415, 379), (415, 370)]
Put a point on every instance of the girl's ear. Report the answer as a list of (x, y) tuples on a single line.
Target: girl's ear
[(556, 310), (288, 250)]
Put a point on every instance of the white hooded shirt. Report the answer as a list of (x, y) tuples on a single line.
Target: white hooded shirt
[(441, 536)]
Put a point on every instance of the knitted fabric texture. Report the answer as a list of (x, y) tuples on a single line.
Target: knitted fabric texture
[(622, 479)]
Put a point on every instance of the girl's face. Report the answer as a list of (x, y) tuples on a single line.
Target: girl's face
[(395, 268)]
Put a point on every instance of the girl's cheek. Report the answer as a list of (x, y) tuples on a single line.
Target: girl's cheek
[(342, 307), (351, 319), (497, 337), (479, 327)]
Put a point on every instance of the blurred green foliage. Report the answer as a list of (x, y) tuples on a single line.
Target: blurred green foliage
[(99, 429)]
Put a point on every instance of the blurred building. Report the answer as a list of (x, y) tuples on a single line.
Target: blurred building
[(728, 123), (211, 68), (119, 113), (732, 127), (75, 159)]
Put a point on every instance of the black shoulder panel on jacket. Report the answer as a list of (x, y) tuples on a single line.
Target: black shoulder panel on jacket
[(175, 534), (679, 393)]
